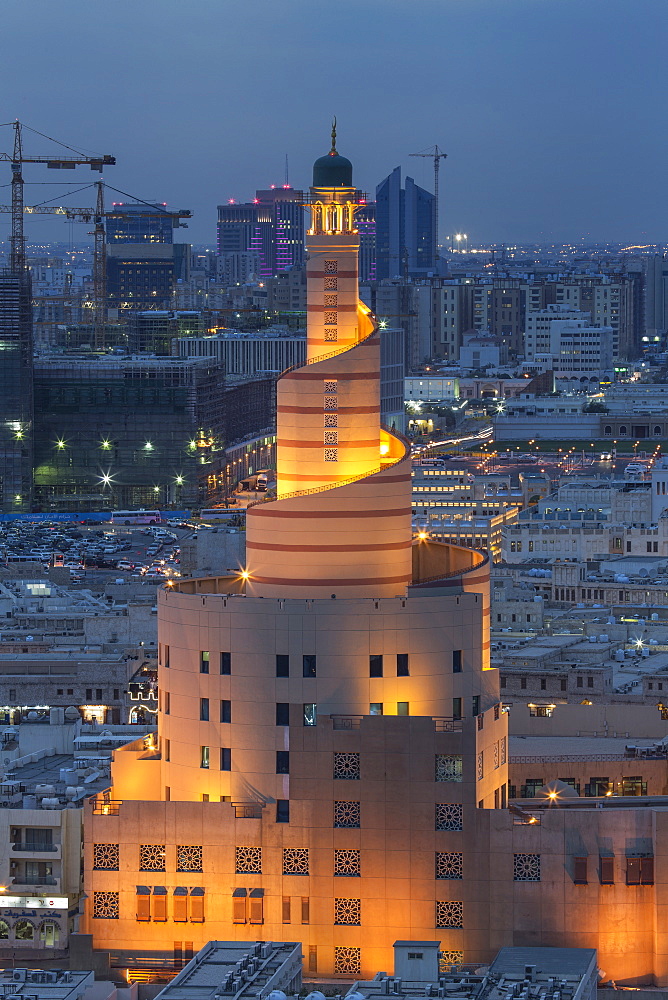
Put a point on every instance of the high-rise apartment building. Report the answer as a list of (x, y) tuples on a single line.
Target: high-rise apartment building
[(270, 227), (405, 221), (16, 409)]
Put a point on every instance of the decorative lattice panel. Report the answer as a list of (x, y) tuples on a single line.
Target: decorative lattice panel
[(331, 437), (348, 911), (188, 858), (449, 913), (347, 961), (331, 455), (347, 766), (449, 864), (331, 284), (448, 959), (347, 863), (496, 755), (330, 317), (331, 266), (295, 860), (331, 334), (503, 750), (448, 767), (526, 867), (448, 816), (331, 301), (330, 385), (331, 420), (105, 857), (248, 860), (105, 905), (331, 403), (481, 769), (346, 814), (152, 857)]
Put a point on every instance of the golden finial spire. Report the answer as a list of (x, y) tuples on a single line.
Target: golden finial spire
[(332, 151)]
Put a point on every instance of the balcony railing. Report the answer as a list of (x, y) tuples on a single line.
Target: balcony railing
[(36, 848), (446, 724), (38, 880)]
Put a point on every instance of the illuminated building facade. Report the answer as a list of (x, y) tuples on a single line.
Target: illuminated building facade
[(271, 227)]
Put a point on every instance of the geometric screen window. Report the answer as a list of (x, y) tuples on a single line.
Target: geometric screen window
[(347, 862), (188, 858), (347, 814), (526, 867), (347, 961), (248, 861), (105, 857), (448, 816), (105, 905), (331, 267), (449, 913), (347, 911), (448, 865), (152, 857), (331, 334), (448, 767), (295, 860), (347, 766), (449, 958)]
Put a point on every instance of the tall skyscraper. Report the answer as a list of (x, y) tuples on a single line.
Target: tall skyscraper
[(16, 408), (271, 226), (305, 699), (405, 219)]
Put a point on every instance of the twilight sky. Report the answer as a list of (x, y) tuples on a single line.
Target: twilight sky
[(550, 110)]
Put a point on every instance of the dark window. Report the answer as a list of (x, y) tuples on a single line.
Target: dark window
[(402, 664), (282, 810), (204, 657), (640, 871), (523, 683), (204, 757), (165, 654), (563, 683), (308, 661), (475, 704), (98, 693), (375, 666), (578, 682), (580, 871), (456, 661), (225, 759), (456, 708), (286, 910), (305, 910), (226, 711), (502, 681), (282, 713), (226, 663), (282, 665), (89, 693), (282, 762), (204, 709), (543, 684), (167, 702), (590, 682)]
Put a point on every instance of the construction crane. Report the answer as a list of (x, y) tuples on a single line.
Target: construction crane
[(436, 155), (99, 246), (17, 159)]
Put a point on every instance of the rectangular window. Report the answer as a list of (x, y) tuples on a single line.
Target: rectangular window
[(204, 657), (456, 661), (282, 713), (590, 682), (165, 656), (197, 906), (523, 683), (167, 746), (580, 871), (578, 682), (308, 665), (167, 702), (375, 666), (640, 871), (402, 708), (143, 903), (226, 663), (285, 910), (475, 705), (225, 759), (159, 903), (204, 709), (310, 714), (282, 762), (226, 711), (306, 910), (633, 871), (456, 708), (563, 684), (239, 906), (282, 665), (282, 810), (402, 664), (376, 708), (204, 757)]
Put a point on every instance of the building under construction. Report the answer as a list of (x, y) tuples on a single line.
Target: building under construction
[(16, 407)]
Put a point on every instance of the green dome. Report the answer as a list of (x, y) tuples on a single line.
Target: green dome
[(332, 171)]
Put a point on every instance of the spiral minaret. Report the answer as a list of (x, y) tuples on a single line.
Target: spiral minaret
[(341, 521)]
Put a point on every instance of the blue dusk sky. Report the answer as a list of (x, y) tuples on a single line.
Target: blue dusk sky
[(550, 110)]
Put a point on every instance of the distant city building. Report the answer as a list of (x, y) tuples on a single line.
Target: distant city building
[(271, 228), (270, 350), (365, 218), (143, 262), (405, 219), (155, 330), (16, 409), (237, 267), (564, 340)]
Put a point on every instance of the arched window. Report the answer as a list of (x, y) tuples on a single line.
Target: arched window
[(4, 930), (607, 430), (657, 431), (24, 930), (622, 429)]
